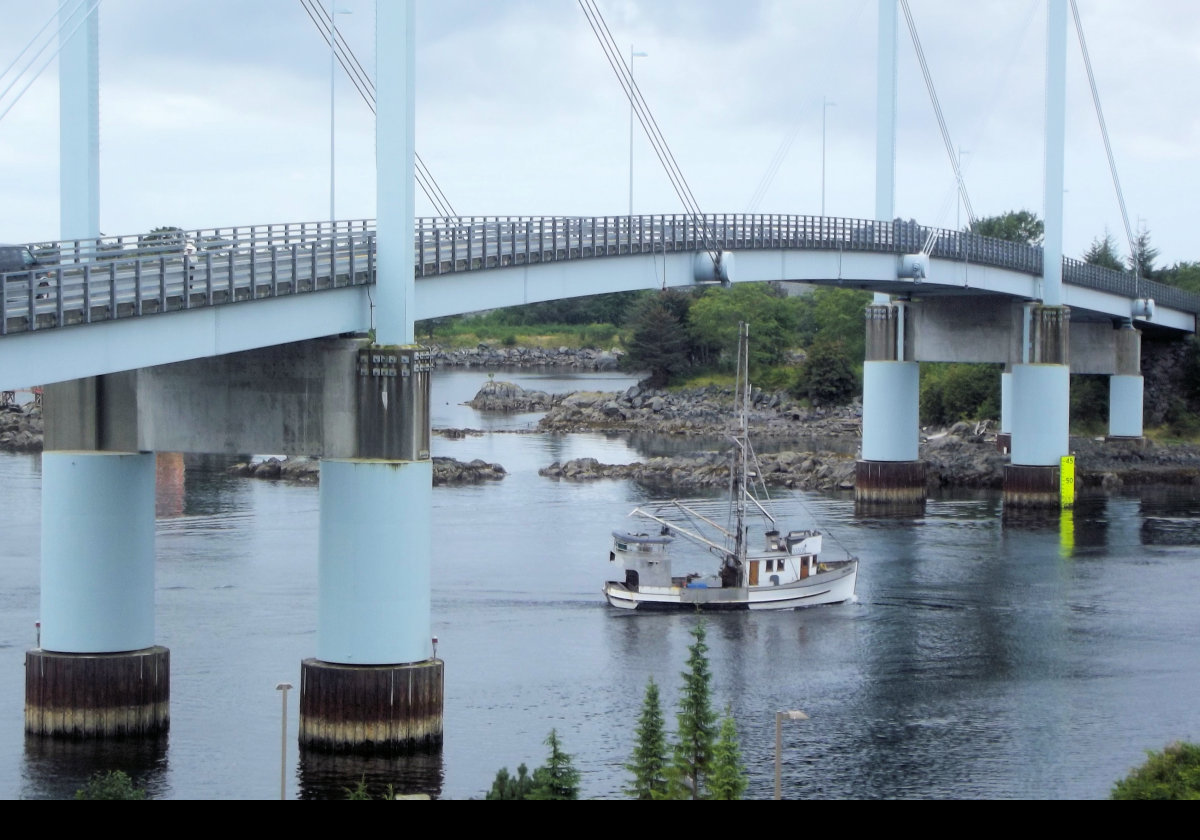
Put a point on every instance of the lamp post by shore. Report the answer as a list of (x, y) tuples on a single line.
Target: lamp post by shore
[(794, 714), (825, 106), (632, 56), (283, 689)]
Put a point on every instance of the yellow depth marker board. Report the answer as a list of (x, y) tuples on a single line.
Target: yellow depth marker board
[(1066, 480)]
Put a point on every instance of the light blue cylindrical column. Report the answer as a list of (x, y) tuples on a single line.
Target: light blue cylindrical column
[(79, 122), (890, 411), (1125, 406), (395, 145), (97, 551), (374, 555), (1041, 414)]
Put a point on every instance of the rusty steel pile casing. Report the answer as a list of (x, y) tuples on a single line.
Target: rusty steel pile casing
[(98, 695), (890, 483), (1031, 486), (341, 709)]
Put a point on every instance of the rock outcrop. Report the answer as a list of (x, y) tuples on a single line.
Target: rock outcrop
[(307, 470), (487, 355)]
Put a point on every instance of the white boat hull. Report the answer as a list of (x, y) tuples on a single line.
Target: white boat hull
[(832, 587)]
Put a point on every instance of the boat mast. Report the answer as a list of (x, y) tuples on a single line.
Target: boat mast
[(742, 398)]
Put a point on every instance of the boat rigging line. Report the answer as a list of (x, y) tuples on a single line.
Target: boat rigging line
[(366, 89), (662, 150)]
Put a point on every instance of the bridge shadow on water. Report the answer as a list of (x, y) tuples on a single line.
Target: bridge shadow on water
[(334, 776), (56, 768)]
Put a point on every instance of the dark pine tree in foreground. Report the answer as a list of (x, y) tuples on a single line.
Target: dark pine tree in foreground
[(727, 778), (649, 765), (696, 724), (557, 778)]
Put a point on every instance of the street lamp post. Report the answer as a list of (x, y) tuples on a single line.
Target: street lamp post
[(632, 95), (334, 11), (825, 106), (283, 689), (794, 714)]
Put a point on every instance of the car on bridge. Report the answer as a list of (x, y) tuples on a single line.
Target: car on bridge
[(20, 268)]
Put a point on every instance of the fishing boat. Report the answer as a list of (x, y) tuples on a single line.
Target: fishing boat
[(784, 570)]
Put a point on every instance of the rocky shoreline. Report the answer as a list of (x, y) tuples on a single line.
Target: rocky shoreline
[(485, 355), (307, 470), (800, 447)]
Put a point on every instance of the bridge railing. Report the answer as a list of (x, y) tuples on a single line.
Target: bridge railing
[(174, 241), (290, 262), (115, 277)]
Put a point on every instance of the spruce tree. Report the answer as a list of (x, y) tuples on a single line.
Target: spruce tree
[(557, 778), (727, 778), (649, 764), (696, 723), (507, 786)]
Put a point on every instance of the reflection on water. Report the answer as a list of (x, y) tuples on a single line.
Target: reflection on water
[(326, 776), (55, 769), (984, 656)]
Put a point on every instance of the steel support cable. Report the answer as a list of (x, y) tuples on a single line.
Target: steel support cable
[(1112, 163), (617, 61), (51, 57), (650, 125), (768, 177), (937, 110), (366, 89), (29, 46), (624, 77)]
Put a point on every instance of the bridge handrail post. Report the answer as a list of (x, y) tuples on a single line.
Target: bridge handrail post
[(295, 268), (87, 297), (471, 244), (137, 288), (112, 291), (370, 257)]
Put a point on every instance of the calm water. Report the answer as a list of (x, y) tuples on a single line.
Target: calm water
[(982, 658)]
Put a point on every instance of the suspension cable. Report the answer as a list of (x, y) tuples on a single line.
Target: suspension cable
[(768, 177), (616, 61), (941, 120), (50, 58), (1112, 163), (366, 89)]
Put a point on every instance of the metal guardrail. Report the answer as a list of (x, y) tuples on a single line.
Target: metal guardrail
[(125, 276)]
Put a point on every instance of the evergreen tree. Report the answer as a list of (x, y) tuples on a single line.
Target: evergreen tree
[(557, 778), (506, 786), (649, 765), (727, 779), (659, 342), (827, 377), (1143, 256), (696, 723), (1015, 226), (1103, 253)]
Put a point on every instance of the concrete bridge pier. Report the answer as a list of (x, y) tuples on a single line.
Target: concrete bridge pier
[(1125, 386), (97, 672), (1041, 399), (889, 475), (374, 686)]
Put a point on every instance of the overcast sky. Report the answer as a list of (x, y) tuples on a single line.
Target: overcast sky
[(216, 112)]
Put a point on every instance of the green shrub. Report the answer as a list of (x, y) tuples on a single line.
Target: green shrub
[(110, 784), (1173, 773)]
